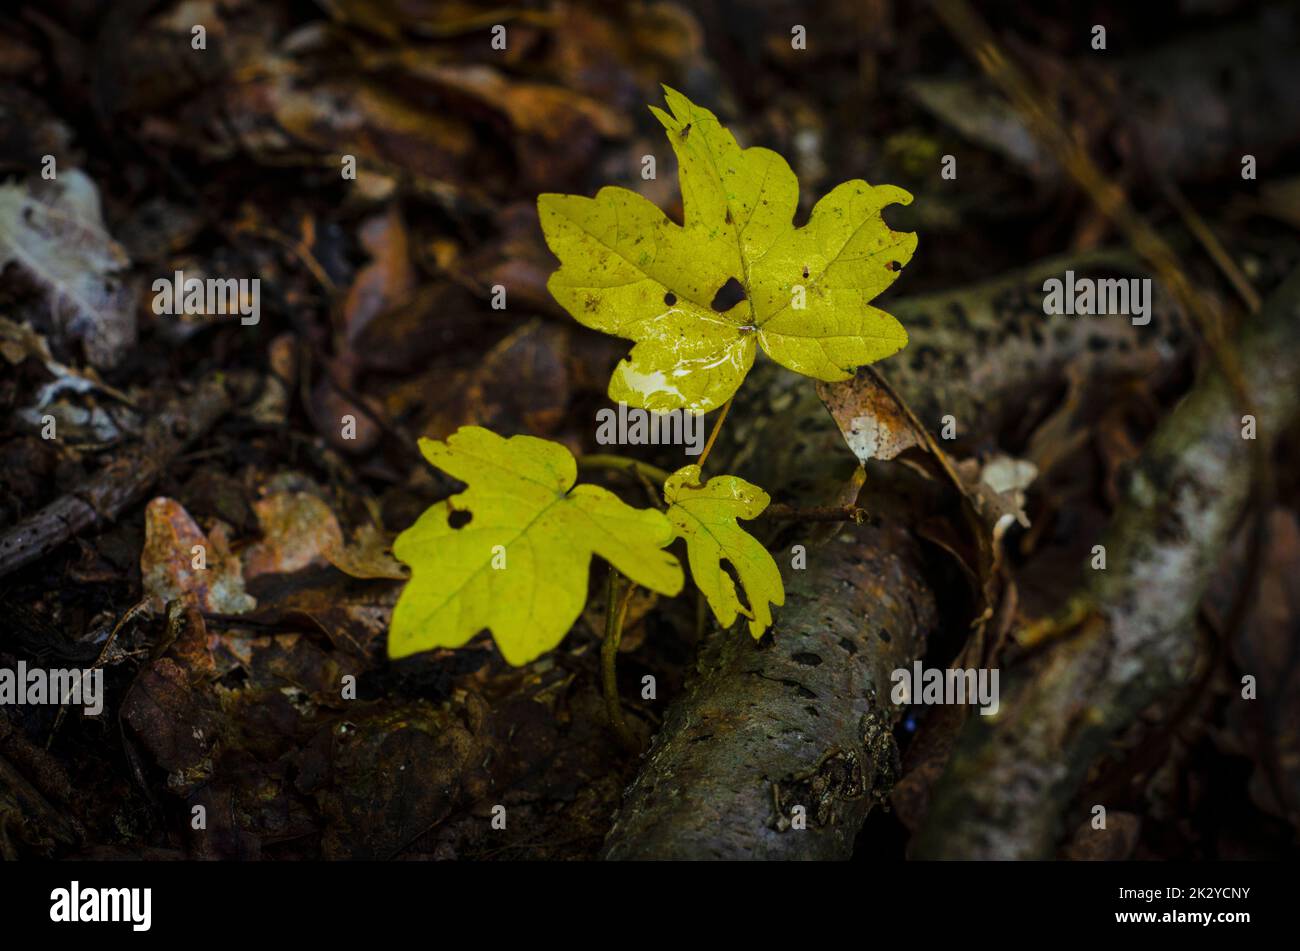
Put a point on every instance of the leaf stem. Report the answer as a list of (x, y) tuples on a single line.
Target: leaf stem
[(623, 464), (616, 604), (717, 427)]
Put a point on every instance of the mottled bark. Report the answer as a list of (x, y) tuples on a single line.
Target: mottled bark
[(986, 352), (1013, 775), (983, 353), (800, 720)]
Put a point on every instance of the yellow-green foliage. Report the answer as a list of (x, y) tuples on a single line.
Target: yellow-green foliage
[(519, 565), (705, 515), (630, 271)]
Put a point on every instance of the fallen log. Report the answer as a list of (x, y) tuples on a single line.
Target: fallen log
[(984, 354), (803, 719), (780, 749)]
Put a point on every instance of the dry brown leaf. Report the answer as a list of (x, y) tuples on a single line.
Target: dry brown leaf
[(299, 531), (55, 232), (521, 385), (368, 556), (171, 552), (874, 426), (877, 424), (387, 280)]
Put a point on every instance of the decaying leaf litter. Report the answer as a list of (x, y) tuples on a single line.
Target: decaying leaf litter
[(377, 295)]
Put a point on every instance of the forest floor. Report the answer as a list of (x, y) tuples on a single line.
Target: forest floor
[(224, 688)]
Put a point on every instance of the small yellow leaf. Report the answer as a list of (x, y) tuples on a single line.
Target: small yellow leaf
[(511, 553), (706, 517), (627, 270)]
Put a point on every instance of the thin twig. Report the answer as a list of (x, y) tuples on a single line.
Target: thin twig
[(652, 493), (299, 249), (143, 606), (123, 480), (1213, 246), (817, 513)]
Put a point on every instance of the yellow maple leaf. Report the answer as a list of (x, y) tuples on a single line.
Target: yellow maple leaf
[(705, 515), (511, 553), (626, 269)]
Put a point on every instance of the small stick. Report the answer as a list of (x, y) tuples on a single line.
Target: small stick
[(121, 482), (817, 513)]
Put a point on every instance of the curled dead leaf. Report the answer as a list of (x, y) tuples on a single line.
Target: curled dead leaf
[(872, 423)]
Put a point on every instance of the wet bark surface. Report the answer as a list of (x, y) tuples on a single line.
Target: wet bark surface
[(1012, 776), (779, 749)]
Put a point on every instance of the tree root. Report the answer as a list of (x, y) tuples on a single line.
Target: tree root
[(1013, 775)]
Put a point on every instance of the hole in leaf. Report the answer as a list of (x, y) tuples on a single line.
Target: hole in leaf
[(459, 518), (741, 594), (729, 295), (670, 298)]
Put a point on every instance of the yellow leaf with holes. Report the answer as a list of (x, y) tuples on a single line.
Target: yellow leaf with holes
[(698, 299), (511, 553), (705, 515)]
